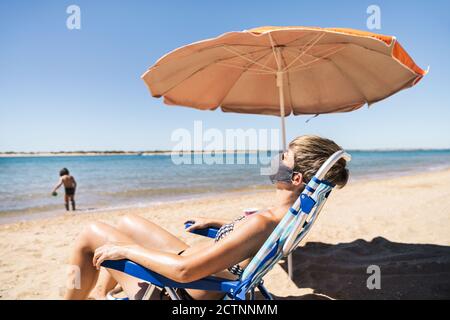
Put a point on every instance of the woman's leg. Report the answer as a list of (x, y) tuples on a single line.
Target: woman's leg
[(105, 283), (145, 233), (133, 229), (83, 272), (149, 234)]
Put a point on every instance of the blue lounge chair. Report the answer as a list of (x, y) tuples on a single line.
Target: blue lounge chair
[(284, 239)]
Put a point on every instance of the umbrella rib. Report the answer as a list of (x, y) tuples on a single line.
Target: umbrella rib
[(257, 71), (287, 44), (308, 64), (292, 55), (201, 69), (349, 79), (218, 46), (316, 58), (239, 54), (231, 88), (218, 60), (378, 78), (345, 74), (272, 42), (345, 44), (268, 58), (317, 45), (306, 50)]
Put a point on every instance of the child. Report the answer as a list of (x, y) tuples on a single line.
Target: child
[(69, 185)]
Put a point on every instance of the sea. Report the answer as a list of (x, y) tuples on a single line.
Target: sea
[(121, 181)]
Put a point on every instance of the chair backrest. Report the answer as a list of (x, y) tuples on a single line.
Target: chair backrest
[(294, 226)]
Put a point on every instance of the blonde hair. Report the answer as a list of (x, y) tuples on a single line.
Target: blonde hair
[(310, 152)]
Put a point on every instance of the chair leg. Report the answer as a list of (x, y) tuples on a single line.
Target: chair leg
[(290, 267), (148, 293), (264, 292), (172, 294), (252, 294)]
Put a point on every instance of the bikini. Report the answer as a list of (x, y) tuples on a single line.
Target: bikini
[(221, 233)]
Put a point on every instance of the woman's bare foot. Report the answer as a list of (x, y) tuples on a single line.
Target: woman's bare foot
[(100, 294)]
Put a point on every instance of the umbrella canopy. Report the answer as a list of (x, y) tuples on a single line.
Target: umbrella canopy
[(320, 70)]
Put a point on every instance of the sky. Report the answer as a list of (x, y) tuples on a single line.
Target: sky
[(67, 90)]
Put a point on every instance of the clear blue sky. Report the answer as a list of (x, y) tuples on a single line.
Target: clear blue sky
[(66, 89)]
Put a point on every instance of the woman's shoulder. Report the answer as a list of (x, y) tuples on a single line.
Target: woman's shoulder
[(260, 222)]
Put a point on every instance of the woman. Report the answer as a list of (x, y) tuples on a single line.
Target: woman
[(148, 244)]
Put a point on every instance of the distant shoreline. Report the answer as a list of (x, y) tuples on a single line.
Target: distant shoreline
[(80, 153), (12, 154), (112, 153)]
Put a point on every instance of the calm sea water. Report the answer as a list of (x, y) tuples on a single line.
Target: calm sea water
[(120, 181)]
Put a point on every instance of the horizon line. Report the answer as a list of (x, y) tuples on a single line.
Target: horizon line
[(156, 151)]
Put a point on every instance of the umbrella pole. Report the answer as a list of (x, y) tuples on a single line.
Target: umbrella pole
[(283, 131), (282, 114), (280, 85), (283, 135)]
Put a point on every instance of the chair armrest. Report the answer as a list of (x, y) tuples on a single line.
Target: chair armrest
[(206, 232), (133, 269)]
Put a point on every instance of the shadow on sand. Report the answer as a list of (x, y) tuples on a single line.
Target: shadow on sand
[(339, 271)]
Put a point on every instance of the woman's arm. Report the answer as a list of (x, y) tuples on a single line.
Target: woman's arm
[(167, 264), (241, 244), (244, 242)]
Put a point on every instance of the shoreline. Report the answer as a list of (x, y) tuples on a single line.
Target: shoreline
[(21, 154), (119, 153), (23, 216)]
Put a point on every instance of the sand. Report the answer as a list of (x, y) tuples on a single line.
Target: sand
[(400, 224)]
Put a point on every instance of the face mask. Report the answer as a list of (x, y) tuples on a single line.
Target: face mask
[(283, 173)]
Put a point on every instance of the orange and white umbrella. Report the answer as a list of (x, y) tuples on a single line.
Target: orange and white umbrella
[(284, 70)]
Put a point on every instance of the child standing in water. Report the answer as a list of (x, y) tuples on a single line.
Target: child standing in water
[(69, 186)]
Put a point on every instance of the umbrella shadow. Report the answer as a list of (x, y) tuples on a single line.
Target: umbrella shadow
[(339, 271)]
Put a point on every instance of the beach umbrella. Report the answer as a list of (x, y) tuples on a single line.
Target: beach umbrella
[(284, 70)]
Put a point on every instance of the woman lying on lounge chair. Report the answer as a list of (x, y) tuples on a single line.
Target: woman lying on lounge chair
[(226, 256)]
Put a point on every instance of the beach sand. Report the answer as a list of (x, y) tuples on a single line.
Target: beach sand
[(400, 224)]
